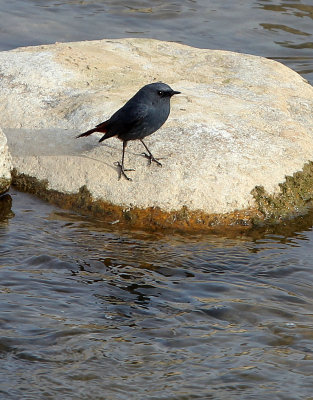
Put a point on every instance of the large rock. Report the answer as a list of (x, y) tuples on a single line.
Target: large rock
[(5, 164), (241, 124)]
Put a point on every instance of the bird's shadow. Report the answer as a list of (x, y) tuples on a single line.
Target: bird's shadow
[(115, 166), (62, 142)]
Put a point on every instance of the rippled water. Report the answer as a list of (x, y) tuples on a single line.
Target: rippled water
[(91, 313), (279, 29)]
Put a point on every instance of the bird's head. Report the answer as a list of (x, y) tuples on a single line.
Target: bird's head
[(158, 91)]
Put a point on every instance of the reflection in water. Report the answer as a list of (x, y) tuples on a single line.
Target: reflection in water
[(294, 8), (86, 311), (5, 207), (273, 27), (303, 45)]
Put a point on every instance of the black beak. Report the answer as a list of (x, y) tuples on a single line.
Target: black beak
[(174, 92)]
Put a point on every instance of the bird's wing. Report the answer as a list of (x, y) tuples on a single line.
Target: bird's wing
[(128, 118)]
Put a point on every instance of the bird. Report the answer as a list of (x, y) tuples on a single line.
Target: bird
[(140, 116)]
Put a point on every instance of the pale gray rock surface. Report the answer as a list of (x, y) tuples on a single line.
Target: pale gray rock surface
[(5, 164), (240, 121)]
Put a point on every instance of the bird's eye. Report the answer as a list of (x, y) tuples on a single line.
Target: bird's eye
[(160, 93)]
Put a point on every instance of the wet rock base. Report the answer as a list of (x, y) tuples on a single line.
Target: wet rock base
[(152, 218)]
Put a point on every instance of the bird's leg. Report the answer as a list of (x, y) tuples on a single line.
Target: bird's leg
[(149, 156), (121, 166)]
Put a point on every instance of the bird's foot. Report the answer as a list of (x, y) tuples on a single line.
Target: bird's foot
[(122, 171), (151, 158)]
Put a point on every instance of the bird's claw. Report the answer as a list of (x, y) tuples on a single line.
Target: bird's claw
[(122, 171), (151, 158)]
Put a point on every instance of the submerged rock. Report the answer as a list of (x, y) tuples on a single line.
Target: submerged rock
[(241, 125), (5, 164)]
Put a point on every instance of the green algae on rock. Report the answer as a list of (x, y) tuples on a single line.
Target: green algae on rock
[(5, 184), (152, 218), (294, 198)]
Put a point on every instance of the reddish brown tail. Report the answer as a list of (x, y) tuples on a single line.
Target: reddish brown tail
[(87, 133), (99, 128)]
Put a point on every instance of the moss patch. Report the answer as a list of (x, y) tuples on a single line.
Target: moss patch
[(4, 185), (152, 218), (294, 199)]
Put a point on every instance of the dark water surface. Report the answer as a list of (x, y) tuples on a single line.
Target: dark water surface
[(92, 313)]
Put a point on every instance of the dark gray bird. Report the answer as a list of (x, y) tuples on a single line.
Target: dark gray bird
[(142, 115)]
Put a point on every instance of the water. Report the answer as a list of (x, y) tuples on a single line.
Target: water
[(88, 311), (92, 313), (279, 29)]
